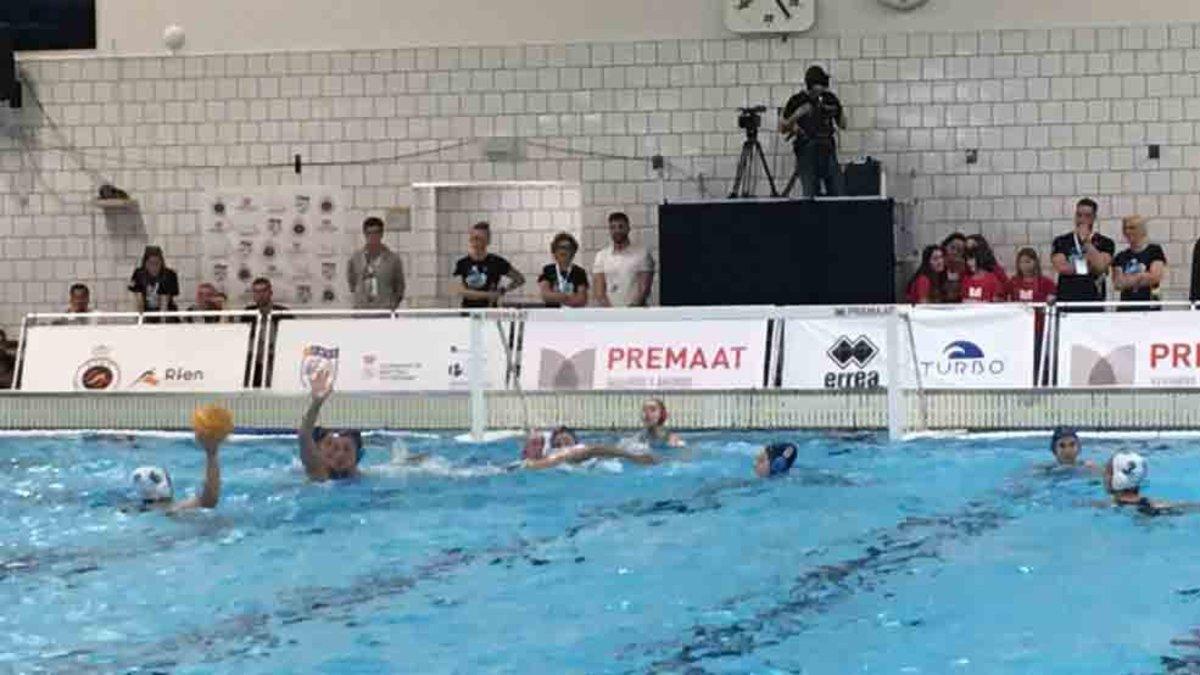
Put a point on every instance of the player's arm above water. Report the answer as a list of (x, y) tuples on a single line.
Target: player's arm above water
[(321, 388), (210, 493), (587, 452)]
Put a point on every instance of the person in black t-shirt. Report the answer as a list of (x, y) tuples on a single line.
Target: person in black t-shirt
[(480, 272), (811, 119), (1138, 270), (562, 282), (153, 284), (1082, 258)]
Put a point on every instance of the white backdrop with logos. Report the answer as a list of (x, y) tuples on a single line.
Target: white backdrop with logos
[(693, 354), (404, 354), (294, 236), (974, 347), (1138, 349), (160, 357)]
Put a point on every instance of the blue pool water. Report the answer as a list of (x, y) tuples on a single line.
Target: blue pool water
[(938, 556)]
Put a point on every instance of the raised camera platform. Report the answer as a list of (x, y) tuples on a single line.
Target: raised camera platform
[(821, 251)]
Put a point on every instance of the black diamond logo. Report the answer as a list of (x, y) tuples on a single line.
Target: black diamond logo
[(859, 351)]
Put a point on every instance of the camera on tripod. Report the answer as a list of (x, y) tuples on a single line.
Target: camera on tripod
[(750, 119)]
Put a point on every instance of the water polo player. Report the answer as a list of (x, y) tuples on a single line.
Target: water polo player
[(327, 455), (153, 484)]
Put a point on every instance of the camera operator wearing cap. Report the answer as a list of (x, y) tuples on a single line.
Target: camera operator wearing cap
[(811, 119)]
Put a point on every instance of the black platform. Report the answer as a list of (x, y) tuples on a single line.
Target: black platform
[(777, 252)]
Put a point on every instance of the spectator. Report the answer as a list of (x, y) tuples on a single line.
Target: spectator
[(376, 274), (1082, 258), (1029, 284), (928, 285), (8, 361), (154, 285), (562, 282), (976, 242), (981, 284), (206, 301), (481, 272), (623, 273), (79, 299), (271, 313), (1138, 270), (954, 247)]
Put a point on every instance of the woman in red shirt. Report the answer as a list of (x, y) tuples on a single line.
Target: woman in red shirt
[(981, 284), (929, 283), (976, 242), (954, 247), (1029, 285)]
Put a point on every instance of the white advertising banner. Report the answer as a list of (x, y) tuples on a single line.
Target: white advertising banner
[(1129, 349), (404, 354), (700, 354), (972, 347), (159, 357), (292, 235)]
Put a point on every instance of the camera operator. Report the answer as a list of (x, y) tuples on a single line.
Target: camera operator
[(811, 118)]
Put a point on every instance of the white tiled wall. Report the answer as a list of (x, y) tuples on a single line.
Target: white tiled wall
[(1055, 114)]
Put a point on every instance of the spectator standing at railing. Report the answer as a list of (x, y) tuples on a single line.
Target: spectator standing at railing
[(1030, 285), (1194, 295), (375, 274), (270, 314), (954, 247), (480, 272), (562, 282), (1138, 270), (929, 284), (981, 283), (622, 273), (206, 301), (79, 301), (1082, 258), (154, 285)]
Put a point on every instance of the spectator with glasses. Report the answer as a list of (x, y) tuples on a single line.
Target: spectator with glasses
[(563, 283), (1138, 270)]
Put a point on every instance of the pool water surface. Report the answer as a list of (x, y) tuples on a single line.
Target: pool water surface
[(931, 556)]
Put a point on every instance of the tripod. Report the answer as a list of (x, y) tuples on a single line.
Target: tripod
[(747, 171)]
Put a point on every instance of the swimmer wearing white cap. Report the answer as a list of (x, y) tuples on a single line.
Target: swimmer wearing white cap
[(156, 491), (1123, 476), (547, 449)]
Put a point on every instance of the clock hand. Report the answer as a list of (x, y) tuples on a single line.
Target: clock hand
[(743, 4), (783, 8)]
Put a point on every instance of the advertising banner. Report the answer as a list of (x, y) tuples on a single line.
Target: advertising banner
[(701, 354), (973, 347), (1129, 349), (404, 354), (160, 357), (291, 235)]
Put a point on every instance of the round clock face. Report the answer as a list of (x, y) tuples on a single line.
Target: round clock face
[(903, 4)]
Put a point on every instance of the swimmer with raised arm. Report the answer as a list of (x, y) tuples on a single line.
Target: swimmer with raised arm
[(545, 450), (655, 433), (327, 455), (155, 489)]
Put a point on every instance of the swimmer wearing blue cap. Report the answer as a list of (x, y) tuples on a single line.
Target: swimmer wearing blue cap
[(775, 459), (1066, 448), (548, 449), (156, 492), (327, 455)]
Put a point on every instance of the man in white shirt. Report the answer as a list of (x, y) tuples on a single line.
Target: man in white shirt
[(622, 273)]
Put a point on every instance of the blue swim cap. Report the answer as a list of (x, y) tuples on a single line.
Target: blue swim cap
[(782, 456), (1060, 433), (356, 436)]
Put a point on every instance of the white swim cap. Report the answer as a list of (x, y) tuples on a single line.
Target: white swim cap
[(153, 484), (1128, 471)]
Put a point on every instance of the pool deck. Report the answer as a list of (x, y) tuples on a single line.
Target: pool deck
[(930, 410)]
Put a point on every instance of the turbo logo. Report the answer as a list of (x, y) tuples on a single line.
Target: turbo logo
[(965, 359)]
